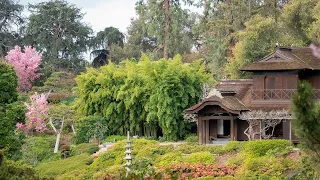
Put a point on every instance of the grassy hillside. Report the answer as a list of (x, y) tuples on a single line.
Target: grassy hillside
[(268, 159)]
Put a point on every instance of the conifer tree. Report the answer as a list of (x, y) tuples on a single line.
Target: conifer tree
[(307, 121)]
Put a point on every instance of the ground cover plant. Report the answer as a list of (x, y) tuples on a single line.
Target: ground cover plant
[(266, 159)]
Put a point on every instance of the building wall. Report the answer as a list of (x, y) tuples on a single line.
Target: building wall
[(241, 127)]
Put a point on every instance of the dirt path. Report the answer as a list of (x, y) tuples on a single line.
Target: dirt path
[(101, 150)]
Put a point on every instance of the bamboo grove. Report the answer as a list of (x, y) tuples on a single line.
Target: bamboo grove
[(148, 98)]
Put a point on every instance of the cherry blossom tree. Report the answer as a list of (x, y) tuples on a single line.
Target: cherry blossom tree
[(37, 114), (26, 65)]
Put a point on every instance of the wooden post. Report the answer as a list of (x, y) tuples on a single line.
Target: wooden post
[(207, 131), (232, 128), (200, 130), (290, 131), (235, 128)]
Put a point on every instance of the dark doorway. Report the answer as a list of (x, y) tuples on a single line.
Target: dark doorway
[(226, 127)]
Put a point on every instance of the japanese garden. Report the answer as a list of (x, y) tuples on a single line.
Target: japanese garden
[(192, 89)]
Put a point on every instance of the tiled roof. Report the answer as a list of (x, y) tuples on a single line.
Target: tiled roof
[(284, 58), (229, 103)]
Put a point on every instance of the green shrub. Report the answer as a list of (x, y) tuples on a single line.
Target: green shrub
[(15, 170), (234, 146), (237, 160), (199, 157), (192, 148), (75, 175), (114, 138), (270, 166), (192, 139), (104, 160), (141, 167), (161, 150), (38, 149), (59, 167), (261, 147), (169, 158), (162, 139), (279, 152), (89, 148)]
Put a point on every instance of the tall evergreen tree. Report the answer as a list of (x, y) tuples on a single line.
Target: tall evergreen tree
[(56, 28), (307, 122)]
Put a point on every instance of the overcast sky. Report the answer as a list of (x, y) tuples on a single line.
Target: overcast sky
[(100, 14), (103, 13)]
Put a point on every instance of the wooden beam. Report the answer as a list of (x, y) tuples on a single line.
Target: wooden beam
[(216, 117), (207, 131), (200, 130), (235, 128), (232, 129), (290, 131)]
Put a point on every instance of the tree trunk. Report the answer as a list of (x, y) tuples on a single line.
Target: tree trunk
[(56, 147), (166, 29), (73, 130)]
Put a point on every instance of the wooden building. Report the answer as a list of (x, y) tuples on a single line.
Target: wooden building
[(232, 113)]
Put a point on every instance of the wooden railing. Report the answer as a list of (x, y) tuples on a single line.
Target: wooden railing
[(278, 94)]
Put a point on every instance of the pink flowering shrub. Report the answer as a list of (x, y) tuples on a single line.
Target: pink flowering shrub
[(26, 64), (36, 115)]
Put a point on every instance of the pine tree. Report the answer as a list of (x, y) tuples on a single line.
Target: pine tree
[(307, 121)]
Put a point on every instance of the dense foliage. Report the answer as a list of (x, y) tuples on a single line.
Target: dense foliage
[(11, 111), (57, 29), (306, 123), (38, 149), (143, 96), (154, 161), (15, 170)]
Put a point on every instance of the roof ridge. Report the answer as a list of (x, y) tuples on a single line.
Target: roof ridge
[(302, 61)]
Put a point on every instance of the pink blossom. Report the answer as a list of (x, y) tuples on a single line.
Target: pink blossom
[(37, 114), (26, 65)]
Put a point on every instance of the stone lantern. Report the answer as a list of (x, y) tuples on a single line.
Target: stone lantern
[(128, 152)]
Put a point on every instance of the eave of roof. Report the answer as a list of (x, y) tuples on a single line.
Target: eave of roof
[(286, 59), (229, 103)]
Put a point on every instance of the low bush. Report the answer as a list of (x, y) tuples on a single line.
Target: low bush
[(279, 152), (271, 166), (89, 148), (59, 167), (187, 170), (192, 139), (199, 157), (113, 171), (161, 150), (192, 148), (237, 160), (261, 147), (38, 149), (169, 158), (15, 170), (234, 146), (104, 160)]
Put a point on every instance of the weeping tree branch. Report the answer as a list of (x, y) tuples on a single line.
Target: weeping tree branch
[(259, 122)]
